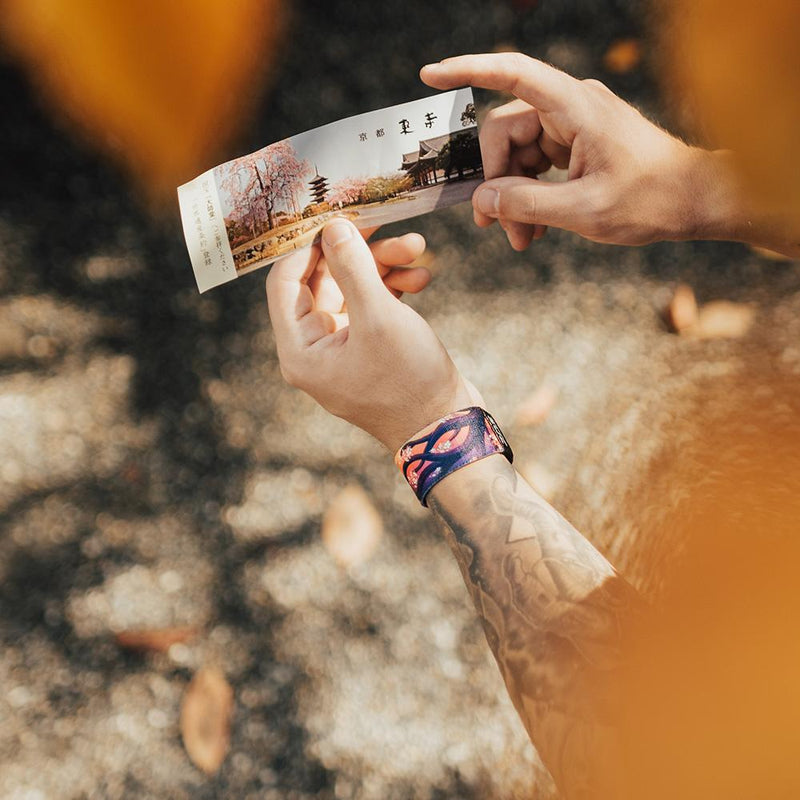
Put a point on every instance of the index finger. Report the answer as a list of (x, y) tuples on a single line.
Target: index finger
[(288, 295), (537, 83)]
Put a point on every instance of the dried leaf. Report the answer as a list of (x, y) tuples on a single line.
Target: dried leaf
[(770, 255), (623, 56), (351, 527), (682, 311), (722, 319), (154, 641), (535, 408), (206, 719)]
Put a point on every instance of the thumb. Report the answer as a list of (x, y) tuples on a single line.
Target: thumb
[(352, 266), (535, 202)]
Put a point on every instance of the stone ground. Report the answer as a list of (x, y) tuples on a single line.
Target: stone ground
[(155, 471)]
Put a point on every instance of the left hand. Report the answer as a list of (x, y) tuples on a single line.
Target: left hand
[(346, 339)]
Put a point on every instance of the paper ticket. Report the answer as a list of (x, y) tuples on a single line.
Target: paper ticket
[(373, 168)]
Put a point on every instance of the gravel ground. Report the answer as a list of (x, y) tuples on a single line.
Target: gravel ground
[(147, 479)]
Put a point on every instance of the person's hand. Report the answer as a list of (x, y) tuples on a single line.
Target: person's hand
[(628, 181), (345, 338)]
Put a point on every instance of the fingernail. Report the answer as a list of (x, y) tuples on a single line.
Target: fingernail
[(337, 232), (489, 202), (435, 65)]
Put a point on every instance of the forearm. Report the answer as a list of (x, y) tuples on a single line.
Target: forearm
[(722, 208), (555, 613)]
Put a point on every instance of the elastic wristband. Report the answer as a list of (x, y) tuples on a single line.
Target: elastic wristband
[(448, 444)]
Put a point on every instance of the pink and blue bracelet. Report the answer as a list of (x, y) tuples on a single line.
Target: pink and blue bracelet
[(450, 443)]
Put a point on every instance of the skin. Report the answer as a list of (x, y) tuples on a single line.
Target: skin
[(554, 611), (557, 616), (628, 181)]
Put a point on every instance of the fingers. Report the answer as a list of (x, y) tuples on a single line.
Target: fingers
[(554, 151), (519, 234), (352, 266), (508, 142), (326, 292), (288, 295), (410, 280), (514, 125), (398, 251), (319, 324), (530, 80), (534, 202), (527, 164)]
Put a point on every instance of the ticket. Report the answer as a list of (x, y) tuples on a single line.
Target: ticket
[(373, 168)]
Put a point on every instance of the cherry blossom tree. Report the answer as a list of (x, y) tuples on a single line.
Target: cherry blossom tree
[(256, 186), (348, 191)]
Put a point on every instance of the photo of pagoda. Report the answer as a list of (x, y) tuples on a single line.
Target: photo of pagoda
[(373, 169), (318, 187)]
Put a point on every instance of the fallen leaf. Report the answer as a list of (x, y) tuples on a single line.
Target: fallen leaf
[(623, 56), (154, 641), (722, 319), (351, 527), (206, 719), (682, 310), (771, 255), (535, 408)]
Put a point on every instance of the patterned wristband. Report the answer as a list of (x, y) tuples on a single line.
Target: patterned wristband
[(448, 444)]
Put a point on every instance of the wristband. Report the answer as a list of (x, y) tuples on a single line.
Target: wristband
[(448, 444)]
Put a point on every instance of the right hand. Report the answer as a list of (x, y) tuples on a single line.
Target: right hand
[(628, 181), (345, 338)]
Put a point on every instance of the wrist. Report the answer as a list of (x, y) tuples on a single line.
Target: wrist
[(714, 198), (448, 445), (398, 426)]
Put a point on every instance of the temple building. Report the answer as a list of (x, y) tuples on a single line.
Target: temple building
[(319, 187), (438, 158)]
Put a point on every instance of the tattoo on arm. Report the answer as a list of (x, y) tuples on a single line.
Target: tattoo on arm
[(555, 613)]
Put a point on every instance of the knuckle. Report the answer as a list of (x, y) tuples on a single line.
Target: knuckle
[(599, 204), (519, 61), (595, 85), (493, 116)]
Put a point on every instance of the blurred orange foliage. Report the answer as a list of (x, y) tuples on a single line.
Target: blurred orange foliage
[(740, 65), (712, 700), (160, 85)]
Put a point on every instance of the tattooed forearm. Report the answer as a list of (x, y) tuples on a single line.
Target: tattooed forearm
[(556, 616)]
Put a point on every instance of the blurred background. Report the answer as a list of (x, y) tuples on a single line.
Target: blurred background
[(209, 588)]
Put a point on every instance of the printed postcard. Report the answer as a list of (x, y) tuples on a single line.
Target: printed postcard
[(374, 168)]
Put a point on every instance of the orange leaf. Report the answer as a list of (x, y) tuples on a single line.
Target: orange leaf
[(154, 641), (161, 85), (206, 719), (682, 311), (770, 255), (722, 319), (351, 527)]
